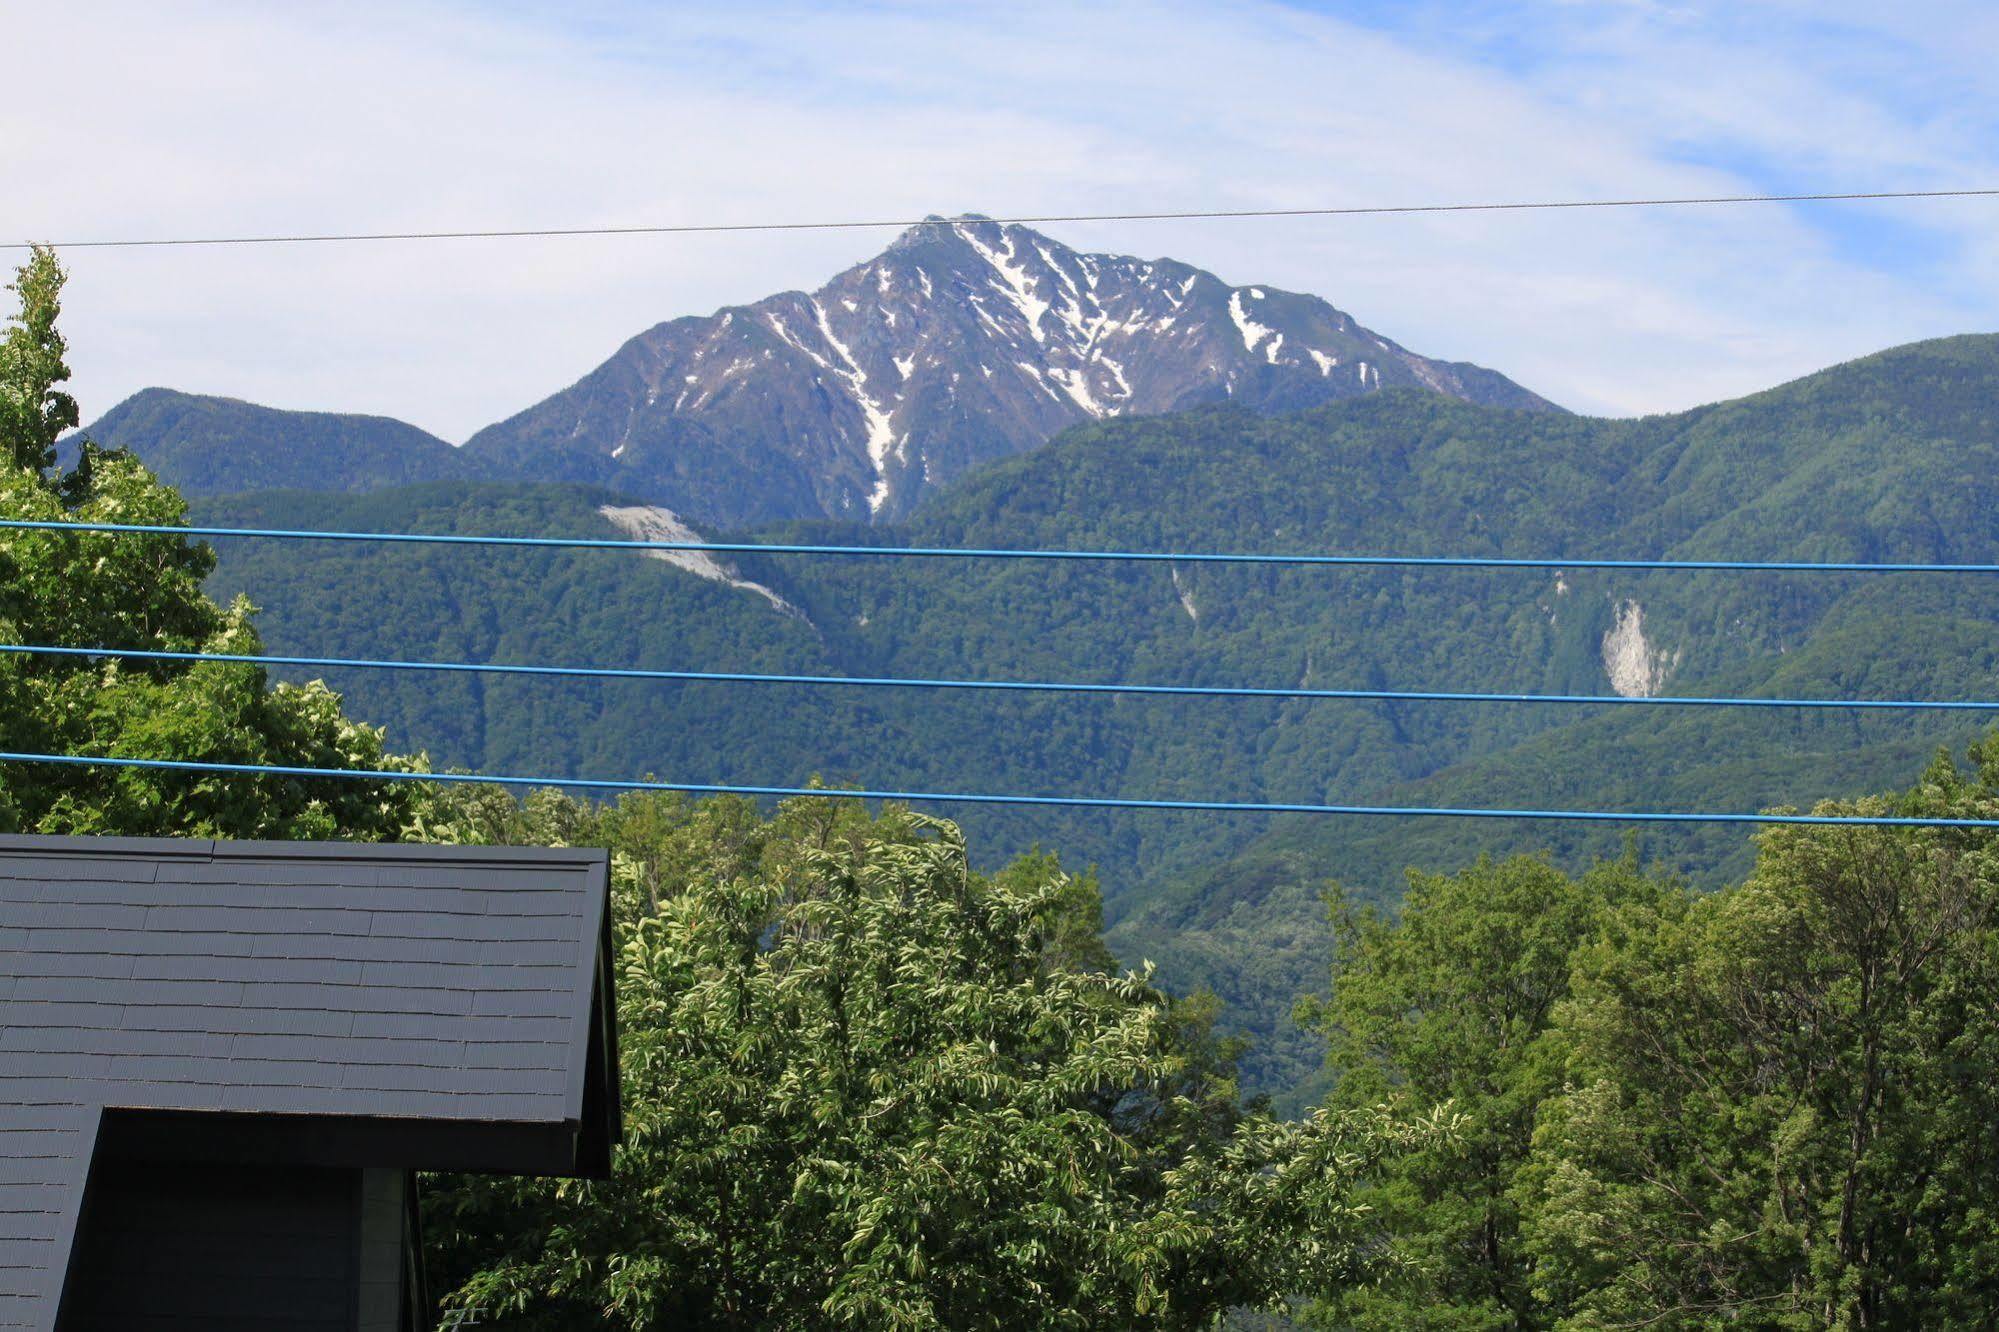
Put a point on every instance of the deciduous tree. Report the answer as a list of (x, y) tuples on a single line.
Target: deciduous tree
[(1780, 1108), (117, 590), (1448, 1005), (867, 1087)]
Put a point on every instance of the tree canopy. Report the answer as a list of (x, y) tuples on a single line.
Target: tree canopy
[(34, 410), (1778, 1105), (868, 1087), (1450, 1004), (116, 590), (1770, 1106)]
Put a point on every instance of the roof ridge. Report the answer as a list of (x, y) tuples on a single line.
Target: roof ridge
[(192, 848)]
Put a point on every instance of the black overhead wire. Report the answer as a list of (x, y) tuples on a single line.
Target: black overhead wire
[(1176, 215)]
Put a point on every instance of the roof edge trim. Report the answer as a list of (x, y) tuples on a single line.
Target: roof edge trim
[(197, 848), (596, 964), (70, 1224)]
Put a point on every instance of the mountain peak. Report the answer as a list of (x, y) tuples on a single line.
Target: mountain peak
[(936, 229), (964, 341), (919, 233)]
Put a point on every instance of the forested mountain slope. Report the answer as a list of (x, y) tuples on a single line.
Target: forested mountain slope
[(1891, 458), (203, 445)]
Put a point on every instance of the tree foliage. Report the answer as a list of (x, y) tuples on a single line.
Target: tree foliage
[(34, 410), (1772, 1106), (1779, 1105), (111, 590), (867, 1087), (1451, 1004)]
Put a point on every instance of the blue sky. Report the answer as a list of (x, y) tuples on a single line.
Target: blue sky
[(1917, 76), (206, 117)]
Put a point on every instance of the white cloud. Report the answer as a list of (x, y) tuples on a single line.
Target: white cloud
[(244, 119)]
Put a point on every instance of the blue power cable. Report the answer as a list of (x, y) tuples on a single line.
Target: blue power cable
[(1011, 686), (1001, 553), (978, 798)]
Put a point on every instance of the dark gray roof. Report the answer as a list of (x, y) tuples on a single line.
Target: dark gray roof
[(391, 991)]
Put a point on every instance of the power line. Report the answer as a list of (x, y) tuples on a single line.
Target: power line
[(983, 798), (1003, 553), (1183, 215), (1011, 686)]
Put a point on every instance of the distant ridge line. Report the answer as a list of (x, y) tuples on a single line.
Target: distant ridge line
[(1181, 215)]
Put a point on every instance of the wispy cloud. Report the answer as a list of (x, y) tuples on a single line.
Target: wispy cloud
[(240, 118)]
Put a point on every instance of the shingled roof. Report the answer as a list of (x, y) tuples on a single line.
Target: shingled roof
[(333, 1003)]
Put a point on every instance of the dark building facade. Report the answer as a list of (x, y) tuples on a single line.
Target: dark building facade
[(221, 1065), (177, 1246)]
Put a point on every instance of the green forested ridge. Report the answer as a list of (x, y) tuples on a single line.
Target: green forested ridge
[(1888, 458), (203, 445)]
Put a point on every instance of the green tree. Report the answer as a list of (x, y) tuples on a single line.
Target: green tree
[(1447, 1004), (867, 1087), (34, 412), (1779, 1106), (106, 590)]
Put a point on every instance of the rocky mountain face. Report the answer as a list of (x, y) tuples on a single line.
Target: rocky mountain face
[(964, 342)]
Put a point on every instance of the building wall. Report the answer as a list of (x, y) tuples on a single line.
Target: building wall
[(379, 1251), (234, 1248)]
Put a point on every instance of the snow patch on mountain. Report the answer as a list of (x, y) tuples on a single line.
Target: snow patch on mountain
[(881, 433), (1252, 332), (1018, 282), (1123, 384), (1077, 385), (647, 522)]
